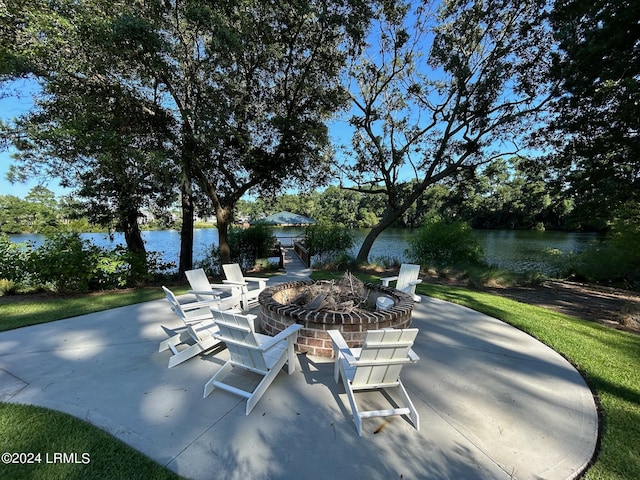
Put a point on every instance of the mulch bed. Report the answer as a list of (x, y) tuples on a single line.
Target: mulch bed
[(613, 307)]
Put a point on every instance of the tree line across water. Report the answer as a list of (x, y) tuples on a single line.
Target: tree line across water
[(503, 196), (65, 263)]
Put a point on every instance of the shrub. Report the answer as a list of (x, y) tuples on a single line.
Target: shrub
[(439, 243), (614, 260), (211, 263), (340, 261), (491, 277), (122, 267), (14, 259), (266, 264), (325, 241), (65, 263), (249, 244), (386, 261), (7, 287)]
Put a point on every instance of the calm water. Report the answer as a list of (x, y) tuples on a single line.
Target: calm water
[(515, 250), (510, 249)]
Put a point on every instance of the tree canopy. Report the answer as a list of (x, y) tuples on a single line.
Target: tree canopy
[(146, 102), (597, 124), (443, 88)]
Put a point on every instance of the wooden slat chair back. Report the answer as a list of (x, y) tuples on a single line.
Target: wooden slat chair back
[(204, 290), (377, 365), (244, 348), (406, 280), (188, 312), (248, 350), (234, 276), (198, 280), (198, 332), (382, 357)]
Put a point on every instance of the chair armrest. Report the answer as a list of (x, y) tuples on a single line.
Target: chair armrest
[(415, 282), (216, 287), (231, 311), (231, 282), (205, 292), (338, 340), (413, 356), (262, 282), (187, 307), (386, 280), (225, 286), (255, 279), (340, 346), (290, 330), (232, 288)]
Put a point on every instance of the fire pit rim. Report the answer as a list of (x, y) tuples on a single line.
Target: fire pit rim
[(313, 337), (403, 304)]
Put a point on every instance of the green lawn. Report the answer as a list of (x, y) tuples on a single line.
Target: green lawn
[(16, 312), (609, 360), (97, 454)]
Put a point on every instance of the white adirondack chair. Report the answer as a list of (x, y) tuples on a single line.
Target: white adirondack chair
[(249, 295), (407, 280), (253, 352), (376, 366), (198, 334), (213, 293)]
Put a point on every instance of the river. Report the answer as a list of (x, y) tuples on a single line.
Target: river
[(516, 250)]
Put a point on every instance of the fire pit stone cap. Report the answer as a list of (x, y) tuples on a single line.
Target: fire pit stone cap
[(403, 302)]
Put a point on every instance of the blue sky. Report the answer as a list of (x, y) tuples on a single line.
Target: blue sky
[(16, 100)]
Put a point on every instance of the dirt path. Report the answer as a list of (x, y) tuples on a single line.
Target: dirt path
[(613, 307)]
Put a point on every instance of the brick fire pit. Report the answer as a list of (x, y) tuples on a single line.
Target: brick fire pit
[(276, 314)]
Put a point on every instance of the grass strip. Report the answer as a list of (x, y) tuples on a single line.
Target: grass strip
[(16, 312), (67, 448)]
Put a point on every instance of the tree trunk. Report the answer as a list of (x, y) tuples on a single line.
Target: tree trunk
[(186, 232), (223, 217), (388, 218), (133, 236), (391, 214), (135, 244)]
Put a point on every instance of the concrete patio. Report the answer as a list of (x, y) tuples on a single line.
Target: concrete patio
[(494, 403)]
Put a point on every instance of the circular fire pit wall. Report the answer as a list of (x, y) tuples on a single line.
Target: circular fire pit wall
[(277, 313)]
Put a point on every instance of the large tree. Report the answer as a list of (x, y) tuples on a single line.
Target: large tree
[(110, 153), (253, 83), (442, 88), (244, 86), (597, 128), (87, 128)]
